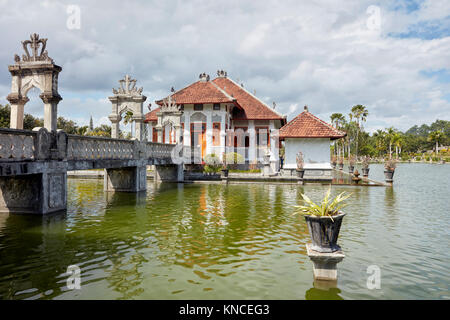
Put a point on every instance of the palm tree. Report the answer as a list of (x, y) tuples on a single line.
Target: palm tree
[(436, 136), (360, 113), (127, 119), (338, 120), (380, 140), (390, 135), (397, 141)]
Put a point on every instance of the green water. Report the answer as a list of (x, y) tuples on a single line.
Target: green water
[(237, 241)]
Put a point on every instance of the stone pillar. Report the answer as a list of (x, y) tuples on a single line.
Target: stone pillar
[(50, 110), (139, 127), (252, 144), (130, 179), (223, 135), (325, 264), (115, 122), (209, 133), (169, 173), (187, 129), (159, 131), (17, 110), (39, 193)]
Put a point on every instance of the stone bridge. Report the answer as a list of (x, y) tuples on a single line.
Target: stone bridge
[(34, 163)]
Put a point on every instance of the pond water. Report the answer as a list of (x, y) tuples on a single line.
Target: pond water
[(236, 241)]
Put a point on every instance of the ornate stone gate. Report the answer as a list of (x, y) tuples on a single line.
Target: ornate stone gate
[(127, 98), (36, 70)]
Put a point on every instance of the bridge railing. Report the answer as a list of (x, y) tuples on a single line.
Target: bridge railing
[(98, 148), (158, 150), (17, 145), (39, 144)]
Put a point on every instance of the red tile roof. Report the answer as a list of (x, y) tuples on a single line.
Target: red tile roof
[(200, 92), (307, 125), (253, 108), (223, 90), (151, 116)]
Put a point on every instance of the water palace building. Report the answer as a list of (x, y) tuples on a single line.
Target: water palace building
[(219, 116)]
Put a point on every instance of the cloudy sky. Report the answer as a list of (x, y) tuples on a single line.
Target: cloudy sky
[(329, 55)]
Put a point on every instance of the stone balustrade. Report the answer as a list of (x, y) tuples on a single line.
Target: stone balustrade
[(158, 150), (17, 145), (98, 148), (22, 145)]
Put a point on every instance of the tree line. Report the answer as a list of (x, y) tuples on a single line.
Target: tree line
[(68, 126), (388, 142)]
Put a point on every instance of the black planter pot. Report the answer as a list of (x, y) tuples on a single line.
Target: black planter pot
[(324, 232), (365, 172), (351, 169), (225, 173), (389, 175), (300, 173), (341, 166)]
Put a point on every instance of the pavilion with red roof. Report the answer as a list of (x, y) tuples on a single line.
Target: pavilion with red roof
[(311, 136)]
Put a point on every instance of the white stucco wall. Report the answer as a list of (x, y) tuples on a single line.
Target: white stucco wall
[(316, 153)]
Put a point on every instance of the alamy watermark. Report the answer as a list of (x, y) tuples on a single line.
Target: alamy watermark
[(374, 278), (74, 280), (73, 21), (373, 22)]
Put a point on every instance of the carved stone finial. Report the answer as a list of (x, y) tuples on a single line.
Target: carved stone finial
[(221, 73), (35, 43), (170, 105), (204, 77), (128, 87)]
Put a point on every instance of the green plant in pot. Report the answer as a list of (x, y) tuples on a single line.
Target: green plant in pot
[(213, 164), (324, 220), (389, 169), (300, 163)]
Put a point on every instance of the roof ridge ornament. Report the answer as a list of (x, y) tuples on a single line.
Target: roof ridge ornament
[(170, 105), (221, 73), (35, 43), (204, 77), (305, 108), (128, 87)]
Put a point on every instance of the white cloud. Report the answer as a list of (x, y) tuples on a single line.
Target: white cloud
[(318, 53)]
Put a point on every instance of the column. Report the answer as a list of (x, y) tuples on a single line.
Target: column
[(187, 129), (252, 145), (17, 111), (138, 129), (160, 135), (50, 110), (223, 135), (208, 132)]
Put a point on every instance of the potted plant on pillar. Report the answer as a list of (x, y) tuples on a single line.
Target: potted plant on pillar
[(341, 163), (365, 166), (389, 166), (324, 220), (351, 164), (300, 163)]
